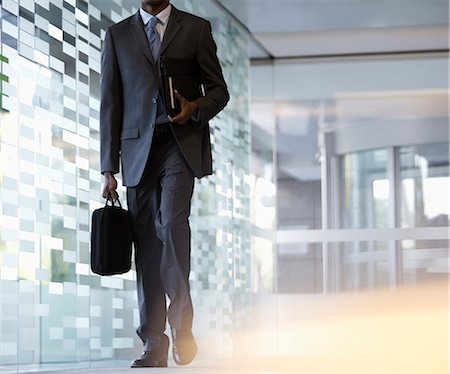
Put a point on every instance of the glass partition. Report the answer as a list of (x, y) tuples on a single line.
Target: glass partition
[(424, 193), (365, 265), (424, 202), (365, 190), (55, 313)]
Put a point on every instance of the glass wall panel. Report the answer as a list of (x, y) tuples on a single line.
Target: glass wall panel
[(339, 124), (55, 313), (364, 266), (424, 202), (425, 260), (263, 197), (425, 185), (298, 168), (300, 268), (364, 190), (299, 201), (255, 332)]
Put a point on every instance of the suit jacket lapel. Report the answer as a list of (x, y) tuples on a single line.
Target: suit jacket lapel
[(139, 35), (173, 27)]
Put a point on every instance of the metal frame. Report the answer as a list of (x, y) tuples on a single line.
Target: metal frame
[(335, 144)]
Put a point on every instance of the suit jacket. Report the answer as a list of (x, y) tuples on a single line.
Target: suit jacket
[(129, 90)]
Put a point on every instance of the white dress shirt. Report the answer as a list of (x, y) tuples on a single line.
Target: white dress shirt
[(163, 18)]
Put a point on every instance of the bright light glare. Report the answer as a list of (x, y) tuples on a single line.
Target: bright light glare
[(436, 192), (435, 195), (373, 332), (264, 211), (381, 189)]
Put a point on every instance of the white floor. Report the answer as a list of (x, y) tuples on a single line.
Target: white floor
[(378, 332), (306, 365)]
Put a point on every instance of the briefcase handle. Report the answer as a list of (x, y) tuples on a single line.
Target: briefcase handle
[(111, 200)]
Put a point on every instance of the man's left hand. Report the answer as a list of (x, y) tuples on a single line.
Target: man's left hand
[(188, 108)]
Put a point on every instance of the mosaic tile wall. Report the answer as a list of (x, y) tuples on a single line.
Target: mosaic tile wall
[(52, 308)]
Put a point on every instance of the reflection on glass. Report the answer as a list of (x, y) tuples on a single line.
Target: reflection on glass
[(262, 189), (262, 259), (263, 198), (364, 190), (425, 260), (364, 265), (54, 311), (263, 192), (425, 185), (299, 268), (424, 174)]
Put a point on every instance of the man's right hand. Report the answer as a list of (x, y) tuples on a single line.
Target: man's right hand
[(110, 186)]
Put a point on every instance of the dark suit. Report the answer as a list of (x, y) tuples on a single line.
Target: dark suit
[(158, 170)]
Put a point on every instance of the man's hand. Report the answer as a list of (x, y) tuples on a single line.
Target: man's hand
[(110, 186), (188, 108)]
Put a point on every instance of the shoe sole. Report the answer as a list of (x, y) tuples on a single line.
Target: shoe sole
[(148, 366)]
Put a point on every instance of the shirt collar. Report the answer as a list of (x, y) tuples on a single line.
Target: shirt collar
[(163, 15)]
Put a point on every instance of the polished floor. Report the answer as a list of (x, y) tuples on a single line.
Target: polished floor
[(386, 332), (305, 365)]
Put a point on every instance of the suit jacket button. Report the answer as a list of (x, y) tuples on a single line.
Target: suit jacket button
[(154, 101), (152, 125)]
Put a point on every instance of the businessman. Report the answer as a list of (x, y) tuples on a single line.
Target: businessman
[(160, 156)]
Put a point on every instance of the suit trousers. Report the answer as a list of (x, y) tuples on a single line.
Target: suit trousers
[(160, 207)]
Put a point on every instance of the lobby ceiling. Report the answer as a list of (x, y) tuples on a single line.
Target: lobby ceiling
[(305, 28)]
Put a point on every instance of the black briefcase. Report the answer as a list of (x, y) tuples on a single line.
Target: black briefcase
[(111, 239)]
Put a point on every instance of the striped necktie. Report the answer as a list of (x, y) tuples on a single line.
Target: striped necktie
[(154, 40), (153, 37)]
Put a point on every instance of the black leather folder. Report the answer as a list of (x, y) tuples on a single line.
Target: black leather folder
[(181, 74)]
